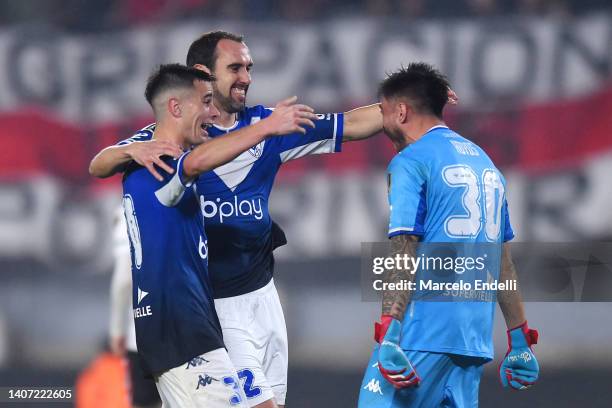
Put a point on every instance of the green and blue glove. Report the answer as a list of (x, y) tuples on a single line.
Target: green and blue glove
[(393, 363), (519, 368)]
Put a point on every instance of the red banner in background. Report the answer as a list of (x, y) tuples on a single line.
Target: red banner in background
[(531, 137), (565, 132)]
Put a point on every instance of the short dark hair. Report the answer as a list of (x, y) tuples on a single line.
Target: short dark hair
[(203, 50), (422, 84), (173, 76)]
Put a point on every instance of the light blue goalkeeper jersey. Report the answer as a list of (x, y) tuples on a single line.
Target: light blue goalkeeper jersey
[(446, 189)]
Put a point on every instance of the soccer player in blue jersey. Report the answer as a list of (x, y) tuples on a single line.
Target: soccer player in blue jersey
[(178, 334), (142, 389), (242, 236), (442, 189)]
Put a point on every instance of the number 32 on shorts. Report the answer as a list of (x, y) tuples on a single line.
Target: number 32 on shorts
[(246, 377)]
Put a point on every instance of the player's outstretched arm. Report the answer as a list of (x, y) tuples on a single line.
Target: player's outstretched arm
[(519, 369), (366, 121), (113, 159), (362, 123), (288, 117), (393, 363)]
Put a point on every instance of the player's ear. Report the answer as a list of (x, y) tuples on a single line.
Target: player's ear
[(403, 110), (203, 68), (174, 107)]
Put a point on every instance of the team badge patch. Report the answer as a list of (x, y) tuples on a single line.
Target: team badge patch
[(257, 150)]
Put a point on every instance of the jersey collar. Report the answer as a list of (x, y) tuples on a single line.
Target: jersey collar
[(434, 128), (239, 117), (228, 129), (425, 134)]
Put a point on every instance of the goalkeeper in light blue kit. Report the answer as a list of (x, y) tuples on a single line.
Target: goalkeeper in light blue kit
[(442, 189)]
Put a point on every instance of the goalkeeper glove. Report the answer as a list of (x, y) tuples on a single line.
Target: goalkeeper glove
[(392, 360), (519, 369)]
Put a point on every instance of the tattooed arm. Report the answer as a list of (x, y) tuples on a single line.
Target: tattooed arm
[(393, 363), (395, 301), (510, 301)]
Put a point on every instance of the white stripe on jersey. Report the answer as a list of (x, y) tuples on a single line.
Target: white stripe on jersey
[(318, 147), (409, 229), (170, 194)]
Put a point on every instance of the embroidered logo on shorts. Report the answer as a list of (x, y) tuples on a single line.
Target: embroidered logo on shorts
[(196, 362), (204, 380), (373, 386)]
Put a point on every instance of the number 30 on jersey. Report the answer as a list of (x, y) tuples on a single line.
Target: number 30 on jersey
[(488, 195)]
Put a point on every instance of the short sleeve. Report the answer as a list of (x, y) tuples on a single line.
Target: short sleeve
[(407, 197), (174, 185), (325, 137)]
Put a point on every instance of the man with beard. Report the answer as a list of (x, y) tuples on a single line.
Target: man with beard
[(178, 334), (242, 236), (443, 189)]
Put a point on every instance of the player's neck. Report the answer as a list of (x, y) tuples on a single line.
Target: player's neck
[(419, 127), (226, 119), (169, 132)]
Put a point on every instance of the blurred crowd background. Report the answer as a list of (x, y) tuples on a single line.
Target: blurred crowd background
[(534, 78), (98, 15)]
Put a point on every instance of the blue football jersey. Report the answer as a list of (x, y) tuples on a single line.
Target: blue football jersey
[(234, 199), (174, 311), (445, 189)]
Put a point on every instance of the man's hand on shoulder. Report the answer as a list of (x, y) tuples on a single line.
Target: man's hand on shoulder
[(148, 154)]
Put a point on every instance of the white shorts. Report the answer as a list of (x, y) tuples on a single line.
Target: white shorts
[(207, 381), (255, 335)]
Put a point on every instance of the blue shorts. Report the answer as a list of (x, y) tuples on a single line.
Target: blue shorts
[(447, 380)]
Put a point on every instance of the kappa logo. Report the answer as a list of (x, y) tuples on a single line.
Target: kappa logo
[(373, 386), (196, 362), (205, 380)]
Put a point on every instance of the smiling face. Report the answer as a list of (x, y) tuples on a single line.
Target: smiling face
[(232, 69), (198, 113)]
